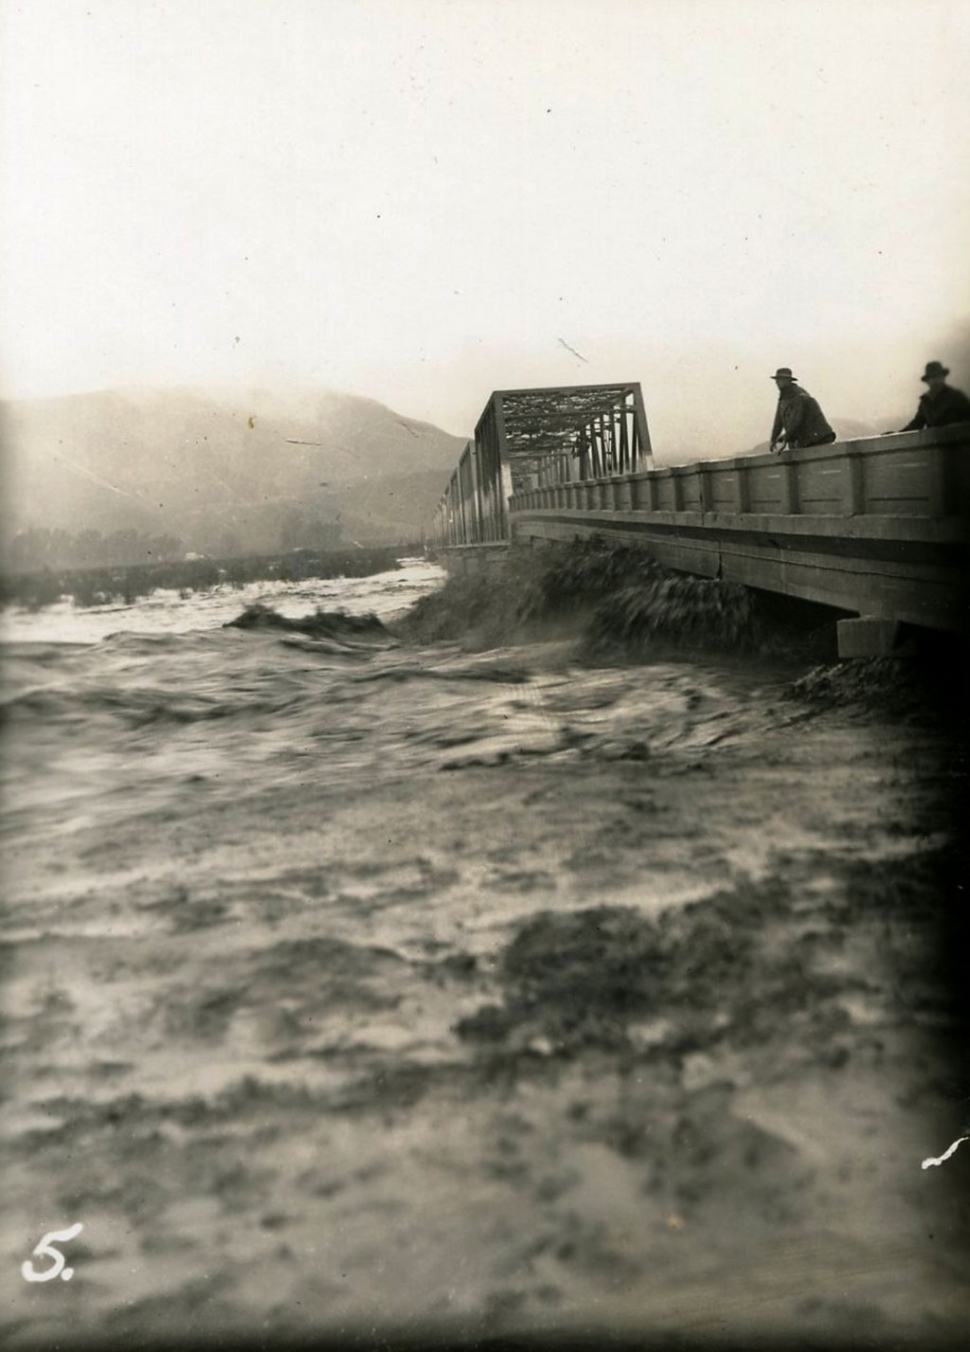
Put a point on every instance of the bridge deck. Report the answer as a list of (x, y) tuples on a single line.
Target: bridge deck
[(877, 527)]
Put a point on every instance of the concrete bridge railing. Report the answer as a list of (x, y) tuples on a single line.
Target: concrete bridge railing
[(909, 474)]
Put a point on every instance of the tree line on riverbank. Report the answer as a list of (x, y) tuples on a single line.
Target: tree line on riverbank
[(113, 584), (40, 547)]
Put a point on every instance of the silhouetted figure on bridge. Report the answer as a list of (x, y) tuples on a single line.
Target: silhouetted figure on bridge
[(941, 404), (799, 420)]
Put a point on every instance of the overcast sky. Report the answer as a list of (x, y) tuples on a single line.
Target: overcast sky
[(424, 200)]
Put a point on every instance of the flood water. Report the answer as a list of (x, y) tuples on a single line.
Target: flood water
[(322, 1014)]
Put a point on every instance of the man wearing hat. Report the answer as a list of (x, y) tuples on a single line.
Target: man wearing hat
[(941, 404), (799, 421)]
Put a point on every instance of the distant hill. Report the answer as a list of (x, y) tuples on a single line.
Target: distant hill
[(218, 470), (395, 507)]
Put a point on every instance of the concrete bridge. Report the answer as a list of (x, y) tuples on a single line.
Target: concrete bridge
[(877, 528)]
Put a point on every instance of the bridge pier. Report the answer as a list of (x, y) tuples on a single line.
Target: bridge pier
[(871, 636)]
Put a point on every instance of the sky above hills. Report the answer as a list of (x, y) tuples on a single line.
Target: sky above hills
[(424, 200)]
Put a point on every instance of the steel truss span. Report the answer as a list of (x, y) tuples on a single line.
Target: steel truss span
[(536, 438)]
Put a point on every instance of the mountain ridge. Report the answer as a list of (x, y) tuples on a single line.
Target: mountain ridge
[(207, 465)]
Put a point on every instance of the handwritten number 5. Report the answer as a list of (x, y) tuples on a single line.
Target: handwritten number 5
[(45, 1249)]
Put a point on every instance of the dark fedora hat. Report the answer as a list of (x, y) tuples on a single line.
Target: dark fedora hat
[(935, 370), (783, 373)]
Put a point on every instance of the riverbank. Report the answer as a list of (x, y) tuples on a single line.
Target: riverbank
[(105, 585)]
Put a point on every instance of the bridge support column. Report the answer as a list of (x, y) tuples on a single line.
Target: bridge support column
[(868, 636)]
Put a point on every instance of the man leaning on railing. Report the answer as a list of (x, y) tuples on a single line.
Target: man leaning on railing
[(799, 420), (941, 404)]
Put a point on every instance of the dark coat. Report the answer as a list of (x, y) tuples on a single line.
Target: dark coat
[(949, 406), (799, 420)]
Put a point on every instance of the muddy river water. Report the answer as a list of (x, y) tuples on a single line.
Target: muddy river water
[(353, 984)]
